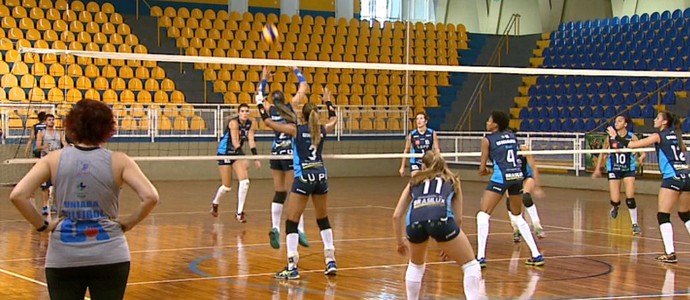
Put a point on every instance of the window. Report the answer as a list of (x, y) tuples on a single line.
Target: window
[(396, 10)]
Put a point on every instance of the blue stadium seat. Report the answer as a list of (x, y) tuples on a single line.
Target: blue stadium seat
[(677, 14), (669, 98), (649, 112), (635, 112), (578, 125)]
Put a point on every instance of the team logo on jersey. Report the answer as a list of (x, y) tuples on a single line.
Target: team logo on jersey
[(417, 142)]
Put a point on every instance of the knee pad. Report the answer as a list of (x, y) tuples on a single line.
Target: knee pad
[(663, 217), (290, 227), (414, 272), (323, 223), (279, 197), (615, 204), (527, 200), (483, 218), (224, 189), (630, 202), (244, 185), (685, 216)]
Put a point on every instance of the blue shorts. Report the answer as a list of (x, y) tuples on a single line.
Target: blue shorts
[(513, 187), (618, 175), (680, 183), (227, 162), (440, 230), (416, 166), (310, 184), (281, 165)]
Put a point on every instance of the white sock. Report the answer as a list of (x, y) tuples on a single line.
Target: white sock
[(242, 195), (276, 212), (472, 277), (667, 237), (327, 238), (687, 226), (633, 215), (220, 192), (300, 225), (534, 215), (526, 234), (482, 233), (292, 240), (413, 280)]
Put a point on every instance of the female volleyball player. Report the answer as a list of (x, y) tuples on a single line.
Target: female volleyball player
[(432, 199), (530, 186), (239, 129), (310, 180), (87, 247), (675, 183), (501, 146), (621, 166), (419, 141), (281, 169)]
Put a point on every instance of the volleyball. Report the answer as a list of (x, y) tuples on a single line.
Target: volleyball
[(269, 34)]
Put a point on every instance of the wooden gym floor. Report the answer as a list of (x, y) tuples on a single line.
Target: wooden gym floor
[(181, 252)]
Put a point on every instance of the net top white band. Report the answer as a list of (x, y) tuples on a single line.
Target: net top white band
[(354, 156), (355, 65)]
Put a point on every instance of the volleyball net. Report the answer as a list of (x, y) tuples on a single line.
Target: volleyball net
[(162, 118)]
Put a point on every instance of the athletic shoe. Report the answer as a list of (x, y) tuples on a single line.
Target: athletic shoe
[(667, 258), (241, 217), (214, 210), (331, 269), (482, 262), (303, 239), (516, 236), (614, 212), (274, 238), (535, 261), (288, 274), (539, 231), (636, 229)]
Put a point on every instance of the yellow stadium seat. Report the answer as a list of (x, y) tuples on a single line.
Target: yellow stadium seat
[(118, 84), (47, 82), (83, 83), (108, 8), (142, 73), (16, 94), (56, 70), (109, 71), (161, 97), (229, 98), (151, 85), (101, 83), (127, 96), (180, 123), (126, 72), (110, 96), (124, 30), (156, 11), (92, 94), (144, 96), (27, 81), (128, 123), (65, 82), (55, 95), (116, 19), (36, 94), (177, 97), (197, 123), (19, 12), (167, 85), (158, 73)]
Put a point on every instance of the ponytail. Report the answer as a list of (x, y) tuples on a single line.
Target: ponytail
[(311, 114), (679, 136)]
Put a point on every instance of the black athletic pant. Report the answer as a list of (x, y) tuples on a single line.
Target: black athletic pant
[(103, 281)]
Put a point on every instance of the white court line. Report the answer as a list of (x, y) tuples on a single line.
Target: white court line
[(567, 228), (369, 267), (633, 296), (13, 274)]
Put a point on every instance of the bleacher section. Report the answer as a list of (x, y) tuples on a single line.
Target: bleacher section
[(219, 34), (130, 86), (579, 103)]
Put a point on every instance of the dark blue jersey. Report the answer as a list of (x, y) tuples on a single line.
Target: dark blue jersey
[(37, 128), (225, 145), (307, 157), (431, 200), (621, 161), (282, 143), (421, 142), (526, 168), (503, 148), (671, 157)]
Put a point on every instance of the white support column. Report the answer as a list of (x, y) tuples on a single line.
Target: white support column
[(550, 12), (289, 7), (344, 9)]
